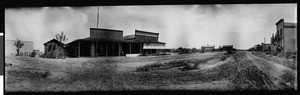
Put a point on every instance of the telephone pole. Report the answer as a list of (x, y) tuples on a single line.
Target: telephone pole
[(96, 54)]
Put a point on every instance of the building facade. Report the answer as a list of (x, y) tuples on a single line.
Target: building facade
[(109, 42), (103, 42), (10, 49), (269, 48), (285, 36), (54, 46), (207, 48), (150, 42)]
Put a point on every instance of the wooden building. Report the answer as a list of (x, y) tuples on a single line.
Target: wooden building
[(103, 42), (286, 36), (208, 48), (54, 46), (149, 40), (109, 42)]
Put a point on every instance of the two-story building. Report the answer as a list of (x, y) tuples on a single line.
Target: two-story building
[(285, 36)]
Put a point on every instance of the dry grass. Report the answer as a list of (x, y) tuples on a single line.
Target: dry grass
[(187, 64), (279, 60), (94, 74)]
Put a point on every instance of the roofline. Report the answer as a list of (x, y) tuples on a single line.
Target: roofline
[(281, 20), (106, 29), (20, 40), (208, 46), (53, 39), (145, 31)]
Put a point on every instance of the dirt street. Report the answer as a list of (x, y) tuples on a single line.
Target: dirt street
[(242, 70), (273, 70)]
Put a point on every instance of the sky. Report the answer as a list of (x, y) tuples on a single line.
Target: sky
[(241, 25)]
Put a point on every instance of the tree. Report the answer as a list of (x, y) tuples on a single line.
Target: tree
[(273, 39), (61, 37), (18, 44), (54, 50)]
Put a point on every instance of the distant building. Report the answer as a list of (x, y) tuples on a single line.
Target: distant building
[(10, 49), (227, 47), (269, 48), (285, 36), (207, 48)]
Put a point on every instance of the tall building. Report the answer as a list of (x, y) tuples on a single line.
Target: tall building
[(285, 36)]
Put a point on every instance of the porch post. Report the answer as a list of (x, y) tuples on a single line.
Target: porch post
[(106, 49), (141, 47), (78, 48), (119, 49), (129, 48)]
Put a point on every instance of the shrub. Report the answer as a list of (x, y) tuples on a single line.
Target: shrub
[(223, 58), (58, 54)]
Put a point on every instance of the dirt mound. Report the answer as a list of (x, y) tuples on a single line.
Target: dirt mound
[(184, 65)]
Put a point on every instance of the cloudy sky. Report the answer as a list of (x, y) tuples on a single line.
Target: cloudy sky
[(242, 25)]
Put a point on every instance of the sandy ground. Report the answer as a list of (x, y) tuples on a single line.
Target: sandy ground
[(118, 73), (274, 69)]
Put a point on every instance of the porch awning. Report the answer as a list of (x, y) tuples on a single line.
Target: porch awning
[(154, 47)]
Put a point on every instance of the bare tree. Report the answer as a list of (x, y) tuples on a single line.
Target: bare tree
[(18, 44), (61, 37)]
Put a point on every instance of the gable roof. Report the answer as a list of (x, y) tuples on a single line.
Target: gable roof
[(54, 40)]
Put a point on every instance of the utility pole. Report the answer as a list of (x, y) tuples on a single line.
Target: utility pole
[(96, 54)]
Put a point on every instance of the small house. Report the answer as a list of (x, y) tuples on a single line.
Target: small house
[(268, 48), (54, 49)]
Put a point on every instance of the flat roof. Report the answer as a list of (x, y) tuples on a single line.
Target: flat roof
[(208, 46), (106, 29), (289, 24), (145, 32), (104, 40)]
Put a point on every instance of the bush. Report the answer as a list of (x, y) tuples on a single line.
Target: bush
[(289, 55), (223, 58), (58, 54)]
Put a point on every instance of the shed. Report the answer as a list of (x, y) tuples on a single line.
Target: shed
[(52, 46)]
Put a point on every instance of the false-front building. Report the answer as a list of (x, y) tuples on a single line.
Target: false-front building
[(286, 36), (108, 42)]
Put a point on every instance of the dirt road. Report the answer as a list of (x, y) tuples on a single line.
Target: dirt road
[(274, 73), (242, 70)]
